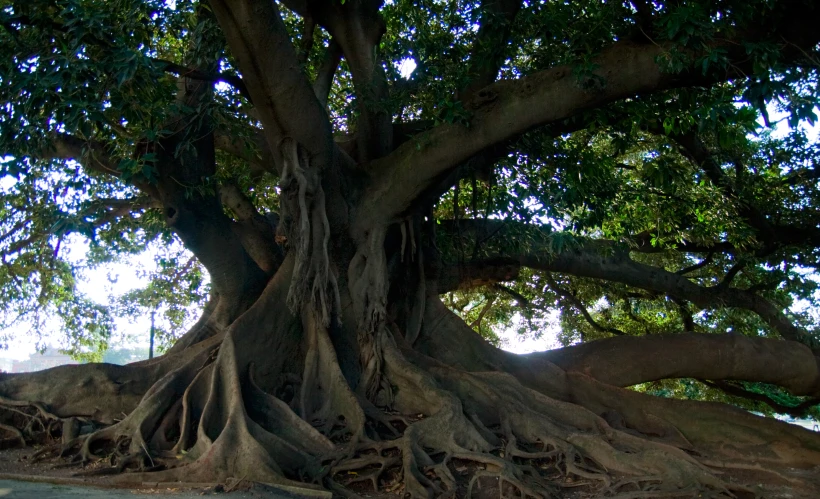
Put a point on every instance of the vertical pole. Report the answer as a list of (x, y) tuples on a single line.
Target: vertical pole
[(151, 340)]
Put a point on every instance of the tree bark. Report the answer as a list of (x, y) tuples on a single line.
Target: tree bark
[(628, 360), (325, 355)]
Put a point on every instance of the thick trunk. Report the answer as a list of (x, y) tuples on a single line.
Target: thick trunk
[(295, 396), (340, 364), (331, 360)]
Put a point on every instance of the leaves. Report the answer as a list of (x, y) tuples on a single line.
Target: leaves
[(96, 71)]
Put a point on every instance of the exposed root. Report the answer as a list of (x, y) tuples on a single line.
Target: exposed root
[(31, 423), (442, 432), (756, 467), (275, 447), (572, 441)]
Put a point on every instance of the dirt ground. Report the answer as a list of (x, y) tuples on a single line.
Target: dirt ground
[(17, 489), (60, 479)]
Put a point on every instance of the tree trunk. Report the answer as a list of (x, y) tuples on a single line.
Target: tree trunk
[(329, 359), (404, 387)]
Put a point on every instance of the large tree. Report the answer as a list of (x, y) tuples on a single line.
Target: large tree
[(360, 223)]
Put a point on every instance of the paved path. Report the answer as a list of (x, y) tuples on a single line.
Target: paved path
[(14, 489)]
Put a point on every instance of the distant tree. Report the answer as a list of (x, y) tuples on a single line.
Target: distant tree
[(601, 164), (174, 287), (124, 356)]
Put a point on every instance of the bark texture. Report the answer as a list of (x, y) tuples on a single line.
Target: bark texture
[(326, 360)]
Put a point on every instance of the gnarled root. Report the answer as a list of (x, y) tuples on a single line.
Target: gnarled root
[(245, 414), (220, 421), (528, 441), (30, 422)]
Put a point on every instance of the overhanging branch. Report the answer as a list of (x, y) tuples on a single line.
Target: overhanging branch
[(270, 66), (195, 74), (581, 308), (509, 108), (797, 411), (489, 48), (608, 261)]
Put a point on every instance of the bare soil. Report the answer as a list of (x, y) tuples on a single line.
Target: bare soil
[(17, 468), (16, 464)]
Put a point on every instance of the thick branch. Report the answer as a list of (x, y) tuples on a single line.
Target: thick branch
[(90, 154), (196, 74), (591, 262), (306, 42), (702, 356), (604, 260), (358, 28), (770, 234), (260, 157), (703, 263), (269, 64), (93, 156), (326, 72), (797, 411), (468, 276), (581, 308), (254, 230), (489, 48), (510, 108), (521, 299)]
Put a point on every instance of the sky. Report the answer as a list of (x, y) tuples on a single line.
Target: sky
[(101, 283)]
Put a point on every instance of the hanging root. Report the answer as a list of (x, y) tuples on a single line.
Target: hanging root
[(406, 227), (416, 280), (308, 235), (368, 284)]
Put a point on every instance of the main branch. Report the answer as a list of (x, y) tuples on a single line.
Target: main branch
[(508, 108)]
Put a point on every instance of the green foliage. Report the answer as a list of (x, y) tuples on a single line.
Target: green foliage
[(94, 70), (97, 70), (174, 295), (700, 390)]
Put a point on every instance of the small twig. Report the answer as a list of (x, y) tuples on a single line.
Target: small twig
[(581, 308), (706, 261), (730, 275), (521, 299), (236, 483)]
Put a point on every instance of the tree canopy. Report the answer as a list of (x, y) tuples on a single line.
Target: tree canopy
[(641, 175)]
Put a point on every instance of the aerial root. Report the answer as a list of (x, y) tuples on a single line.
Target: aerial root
[(314, 287)]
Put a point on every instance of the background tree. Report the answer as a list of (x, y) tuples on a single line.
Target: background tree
[(601, 159)]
